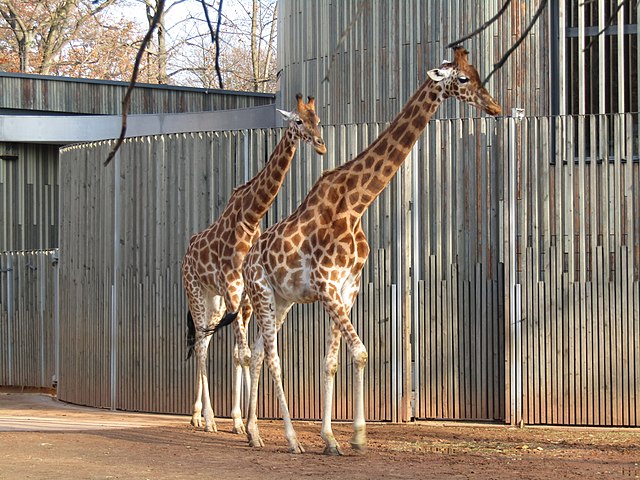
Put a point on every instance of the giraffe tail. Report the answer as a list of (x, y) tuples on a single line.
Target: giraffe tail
[(191, 335), (226, 320)]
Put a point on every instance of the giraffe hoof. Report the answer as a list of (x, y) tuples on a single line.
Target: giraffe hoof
[(196, 421), (211, 428), (239, 429), (333, 450), (359, 447), (255, 441), (295, 449)]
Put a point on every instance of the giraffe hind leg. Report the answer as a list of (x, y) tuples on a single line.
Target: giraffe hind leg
[(241, 360), (330, 368), (236, 411), (202, 411), (207, 311), (257, 358)]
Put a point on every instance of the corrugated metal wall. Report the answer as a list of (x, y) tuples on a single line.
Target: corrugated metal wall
[(28, 197), (28, 287), (100, 97), (389, 49), (168, 188)]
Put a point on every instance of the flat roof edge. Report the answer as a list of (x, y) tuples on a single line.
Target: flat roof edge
[(206, 91)]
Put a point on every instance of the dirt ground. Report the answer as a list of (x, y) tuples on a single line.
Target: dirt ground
[(43, 438)]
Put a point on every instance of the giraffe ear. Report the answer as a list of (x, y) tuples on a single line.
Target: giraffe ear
[(438, 74), (286, 115), (460, 55)]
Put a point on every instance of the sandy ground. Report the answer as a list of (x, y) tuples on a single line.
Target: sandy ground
[(43, 438)]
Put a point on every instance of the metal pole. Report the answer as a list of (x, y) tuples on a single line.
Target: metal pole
[(56, 316), (515, 333), (41, 271), (245, 151), (9, 270), (416, 249), (116, 274)]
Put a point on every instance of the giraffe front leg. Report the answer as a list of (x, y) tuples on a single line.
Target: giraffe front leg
[(330, 368), (196, 417), (339, 314), (359, 439), (273, 361)]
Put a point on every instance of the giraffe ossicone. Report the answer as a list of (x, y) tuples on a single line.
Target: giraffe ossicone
[(211, 267), (318, 252)]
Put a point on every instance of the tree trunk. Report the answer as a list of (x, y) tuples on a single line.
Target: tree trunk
[(24, 44), (255, 47), (163, 78), (267, 62)]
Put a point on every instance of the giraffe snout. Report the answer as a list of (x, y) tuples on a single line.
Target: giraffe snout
[(319, 146)]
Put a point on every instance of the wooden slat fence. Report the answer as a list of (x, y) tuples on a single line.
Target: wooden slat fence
[(459, 333), (29, 192), (578, 263), (170, 187), (541, 215), (28, 322)]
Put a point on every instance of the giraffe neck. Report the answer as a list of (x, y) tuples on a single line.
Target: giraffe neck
[(264, 187), (372, 170)]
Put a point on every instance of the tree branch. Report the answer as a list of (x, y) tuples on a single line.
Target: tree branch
[(134, 75), (483, 27), (342, 38), (215, 37), (501, 62), (265, 72)]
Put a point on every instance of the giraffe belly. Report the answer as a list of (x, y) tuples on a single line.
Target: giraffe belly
[(295, 284)]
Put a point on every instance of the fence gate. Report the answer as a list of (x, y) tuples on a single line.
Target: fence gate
[(28, 318), (576, 346)]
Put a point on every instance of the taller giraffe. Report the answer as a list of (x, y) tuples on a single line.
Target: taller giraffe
[(318, 252), (211, 268)]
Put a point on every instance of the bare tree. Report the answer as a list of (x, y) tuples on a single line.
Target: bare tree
[(264, 16), (106, 52), (215, 37), (261, 59), (240, 52), (158, 51), (41, 30)]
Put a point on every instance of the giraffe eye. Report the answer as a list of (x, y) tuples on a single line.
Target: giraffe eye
[(299, 122), (463, 79)]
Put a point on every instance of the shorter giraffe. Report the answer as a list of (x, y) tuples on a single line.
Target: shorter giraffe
[(319, 251), (211, 268)]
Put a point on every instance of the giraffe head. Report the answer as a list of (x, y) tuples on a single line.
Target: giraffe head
[(460, 79), (304, 124)]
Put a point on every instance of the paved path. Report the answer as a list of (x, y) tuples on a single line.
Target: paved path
[(28, 412)]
